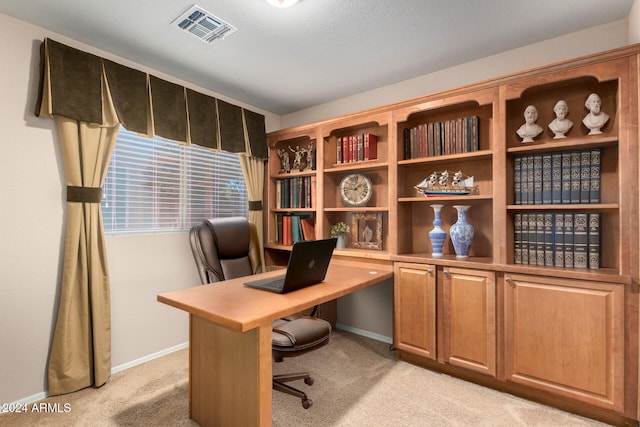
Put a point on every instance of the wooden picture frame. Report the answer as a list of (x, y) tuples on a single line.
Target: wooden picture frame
[(366, 231)]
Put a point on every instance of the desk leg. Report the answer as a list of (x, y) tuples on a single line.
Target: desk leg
[(229, 375)]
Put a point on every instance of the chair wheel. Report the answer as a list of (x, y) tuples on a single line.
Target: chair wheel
[(306, 403), (308, 381)]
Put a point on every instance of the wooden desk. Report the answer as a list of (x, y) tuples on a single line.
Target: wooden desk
[(230, 340)]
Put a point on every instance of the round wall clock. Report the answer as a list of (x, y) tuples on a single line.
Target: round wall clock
[(355, 189)]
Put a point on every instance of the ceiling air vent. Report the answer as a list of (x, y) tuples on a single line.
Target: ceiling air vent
[(204, 25)]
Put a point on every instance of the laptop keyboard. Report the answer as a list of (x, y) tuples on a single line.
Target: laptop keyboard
[(275, 283)]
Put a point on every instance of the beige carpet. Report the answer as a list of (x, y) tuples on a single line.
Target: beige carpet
[(358, 382)]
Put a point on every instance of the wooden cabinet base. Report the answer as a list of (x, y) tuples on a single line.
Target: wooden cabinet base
[(578, 408), (566, 337)]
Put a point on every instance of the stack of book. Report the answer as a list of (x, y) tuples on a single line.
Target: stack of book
[(356, 148), (292, 228), (296, 192), (442, 138), (560, 239), (568, 177)]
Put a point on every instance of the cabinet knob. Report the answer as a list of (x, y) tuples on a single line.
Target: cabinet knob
[(508, 279), (446, 272), (430, 270)]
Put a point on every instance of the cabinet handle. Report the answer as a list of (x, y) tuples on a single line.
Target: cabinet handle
[(429, 270), (446, 272), (508, 279)]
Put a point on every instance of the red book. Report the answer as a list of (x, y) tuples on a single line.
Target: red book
[(308, 229), (287, 237), (345, 149), (370, 146), (353, 146)]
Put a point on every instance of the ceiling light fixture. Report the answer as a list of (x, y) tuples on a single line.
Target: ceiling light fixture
[(282, 3)]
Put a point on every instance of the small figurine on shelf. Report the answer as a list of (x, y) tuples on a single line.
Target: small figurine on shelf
[(561, 124), (596, 119), (339, 230), (297, 160), (530, 129), (309, 153), (284, 160), (446, 183)]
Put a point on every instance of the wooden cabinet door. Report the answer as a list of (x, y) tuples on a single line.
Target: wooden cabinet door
[(566, 337), (470, 319), (414, 294)]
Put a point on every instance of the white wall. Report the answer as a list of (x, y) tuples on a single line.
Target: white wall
[(592, 40), (634, 23), (32, 211)]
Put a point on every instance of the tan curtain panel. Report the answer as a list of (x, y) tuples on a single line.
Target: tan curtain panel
[(253, 170), (80, 353), (72, 87)]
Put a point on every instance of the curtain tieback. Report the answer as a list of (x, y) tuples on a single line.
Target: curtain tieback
[(84, 194), (255, 205)]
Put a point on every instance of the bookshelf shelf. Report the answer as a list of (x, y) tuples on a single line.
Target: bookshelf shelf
[(565, 145), (292, 210), (476, 155), (362, 209), (576, 207), (293, 174), (452, 199), (364, 165)]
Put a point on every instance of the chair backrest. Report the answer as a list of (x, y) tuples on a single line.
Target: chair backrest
[(224, 248)]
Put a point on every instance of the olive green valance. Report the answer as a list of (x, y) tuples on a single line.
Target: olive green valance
[(88, 88)]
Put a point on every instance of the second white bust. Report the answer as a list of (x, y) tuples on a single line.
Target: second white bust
[(561, 124)]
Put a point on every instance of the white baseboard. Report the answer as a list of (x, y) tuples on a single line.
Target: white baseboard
[(23, 402), (149, 357), (39, 396), (364, 333)]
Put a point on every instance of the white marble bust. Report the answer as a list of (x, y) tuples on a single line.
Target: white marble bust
[(561, 124), (529, 129), (596, 119)]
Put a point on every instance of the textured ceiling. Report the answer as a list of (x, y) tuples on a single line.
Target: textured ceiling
[(286, 60)]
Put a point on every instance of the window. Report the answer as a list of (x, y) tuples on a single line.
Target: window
[(155, 184)]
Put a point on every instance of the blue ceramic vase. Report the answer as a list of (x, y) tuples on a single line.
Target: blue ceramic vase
[(437, 234), (461, 233)]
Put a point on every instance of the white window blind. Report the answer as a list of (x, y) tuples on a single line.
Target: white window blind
[(155, 184)]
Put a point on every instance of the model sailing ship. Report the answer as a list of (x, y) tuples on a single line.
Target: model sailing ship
[(446, 183)]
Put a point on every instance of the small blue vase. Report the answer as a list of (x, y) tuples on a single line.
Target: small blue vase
[(437, 234), (461, 233)]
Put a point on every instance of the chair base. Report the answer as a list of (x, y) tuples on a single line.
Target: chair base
[(279, 384)]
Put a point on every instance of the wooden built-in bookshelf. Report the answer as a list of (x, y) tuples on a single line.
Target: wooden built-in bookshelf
[(610, 291)]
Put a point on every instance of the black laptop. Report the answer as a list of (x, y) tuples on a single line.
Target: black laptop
[(307, 266)]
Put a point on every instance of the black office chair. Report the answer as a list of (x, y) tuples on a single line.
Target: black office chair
[(226, 248)]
